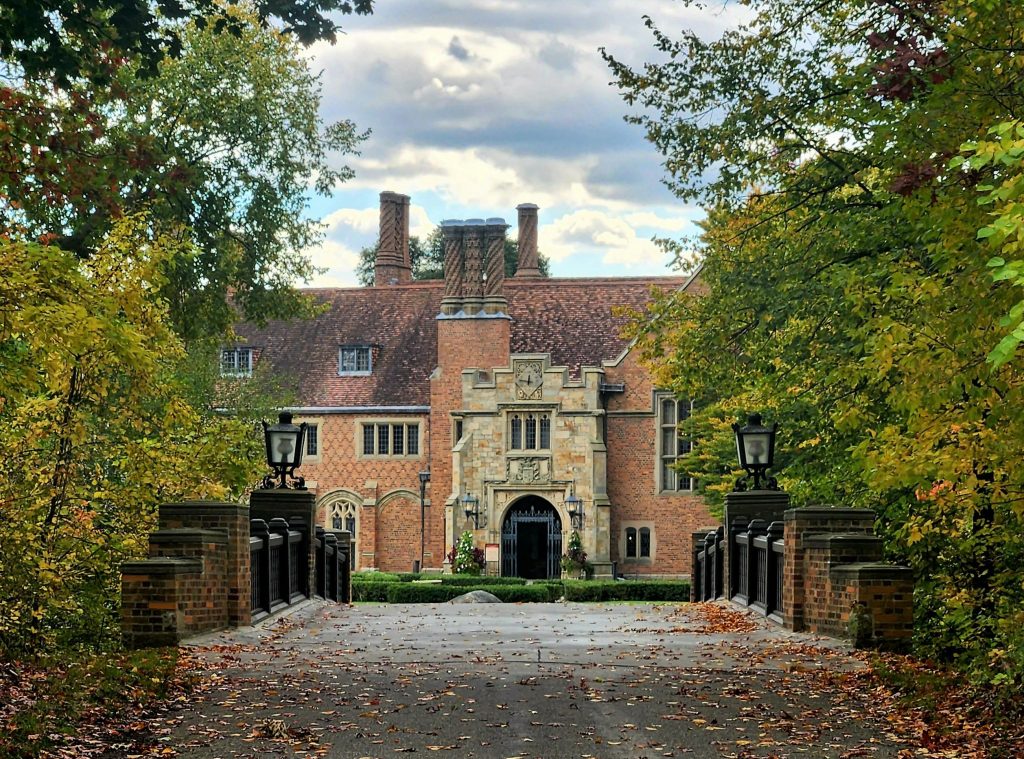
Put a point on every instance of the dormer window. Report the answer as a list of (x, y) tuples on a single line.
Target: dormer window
[(236, 362), (354, 360)]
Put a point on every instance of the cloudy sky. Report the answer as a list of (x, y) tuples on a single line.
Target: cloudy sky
[(476, 106)]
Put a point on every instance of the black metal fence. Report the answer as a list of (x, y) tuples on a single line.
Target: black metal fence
[(280, 565), (333, 570), (755, 571), (708, 579), (756, 551)]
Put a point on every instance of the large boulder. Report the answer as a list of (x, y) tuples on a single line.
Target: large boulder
[(476, 597)]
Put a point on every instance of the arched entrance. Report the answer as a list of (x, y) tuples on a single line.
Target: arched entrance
[(531, 540)]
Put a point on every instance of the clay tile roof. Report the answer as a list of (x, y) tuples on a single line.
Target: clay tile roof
[(569, 318), (572, 318), (398, 322)]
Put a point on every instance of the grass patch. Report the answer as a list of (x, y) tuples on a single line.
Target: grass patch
[(50, 698)]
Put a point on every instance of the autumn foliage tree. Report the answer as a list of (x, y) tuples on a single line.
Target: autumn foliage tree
[(133, 198), (848, 294)]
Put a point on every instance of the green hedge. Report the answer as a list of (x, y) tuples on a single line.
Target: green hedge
[(410, 593), (370, 591), (391, 588), (629, 590), (374, 577), (462, 579)]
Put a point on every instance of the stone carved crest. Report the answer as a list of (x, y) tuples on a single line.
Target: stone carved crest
[(528, 470)]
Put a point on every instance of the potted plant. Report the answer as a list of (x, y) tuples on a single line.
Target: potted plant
[(575, 563), (465, 558)]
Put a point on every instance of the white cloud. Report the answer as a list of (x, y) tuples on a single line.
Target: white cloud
[(650, 219), (589, 231), (338, 262), (364, 220)]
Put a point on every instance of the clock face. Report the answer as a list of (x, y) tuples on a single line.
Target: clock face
[(529, 379)]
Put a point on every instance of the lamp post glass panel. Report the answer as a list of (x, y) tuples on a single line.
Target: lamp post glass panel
[(755, 448), (284, 450)]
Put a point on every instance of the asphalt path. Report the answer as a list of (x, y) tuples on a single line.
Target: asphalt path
[(523, 680)]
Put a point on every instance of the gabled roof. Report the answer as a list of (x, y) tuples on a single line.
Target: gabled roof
[(569, 318), (398, 321), (572, 319)]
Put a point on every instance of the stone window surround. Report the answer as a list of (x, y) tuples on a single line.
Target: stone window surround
[(622, 542), (319, 422), (361, 422), (507, 412), (659, 397), (343, 508)]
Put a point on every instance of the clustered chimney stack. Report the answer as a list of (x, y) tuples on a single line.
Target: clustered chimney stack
[(474, 267), (528, 263), (393, 266)]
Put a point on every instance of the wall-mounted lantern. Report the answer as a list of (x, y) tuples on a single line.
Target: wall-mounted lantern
[(471, 507), (574, 505)]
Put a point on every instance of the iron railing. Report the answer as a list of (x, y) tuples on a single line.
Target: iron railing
[(281, 568), (756, 552), (708, 580)]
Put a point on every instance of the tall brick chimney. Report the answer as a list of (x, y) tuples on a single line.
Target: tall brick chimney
[(474, 267), (528, 265), (393, 266)]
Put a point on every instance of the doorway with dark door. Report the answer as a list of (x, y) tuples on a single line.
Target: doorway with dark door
[(531, 540)]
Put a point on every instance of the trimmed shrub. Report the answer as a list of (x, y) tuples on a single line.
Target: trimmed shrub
[(554, 588), (370, 591), (630, 590), (375, 577), (461, 580), (520, 593), (411, 593)]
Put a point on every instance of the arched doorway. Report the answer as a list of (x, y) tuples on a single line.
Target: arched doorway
[(531, 540)]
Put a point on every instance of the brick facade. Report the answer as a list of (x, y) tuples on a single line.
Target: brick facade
[(446, 353)]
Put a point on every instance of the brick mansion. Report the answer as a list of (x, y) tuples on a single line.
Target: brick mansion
[(517, 396)]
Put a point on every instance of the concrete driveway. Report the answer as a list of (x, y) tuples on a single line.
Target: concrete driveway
[(529, 680)]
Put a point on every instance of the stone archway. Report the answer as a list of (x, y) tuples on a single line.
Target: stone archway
[(531, 540)]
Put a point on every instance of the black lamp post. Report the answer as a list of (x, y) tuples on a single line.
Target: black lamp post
[(755, 447), (284, 450), (424, 479), (574, 505), (471, 506)]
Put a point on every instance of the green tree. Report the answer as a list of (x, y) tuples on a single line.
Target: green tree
[(221, 147), (847, 293), (96, 429), (67, 40), (427, 259)]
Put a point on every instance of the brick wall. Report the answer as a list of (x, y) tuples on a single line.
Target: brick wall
[(632, 483), (203, 599), (340, 465), (805, 522), (886, 591), (233, 520), (154, 600), (398, 535), (832, 563), (461, 344)]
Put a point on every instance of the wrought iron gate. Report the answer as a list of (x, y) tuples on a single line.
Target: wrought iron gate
[(510, 539)]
